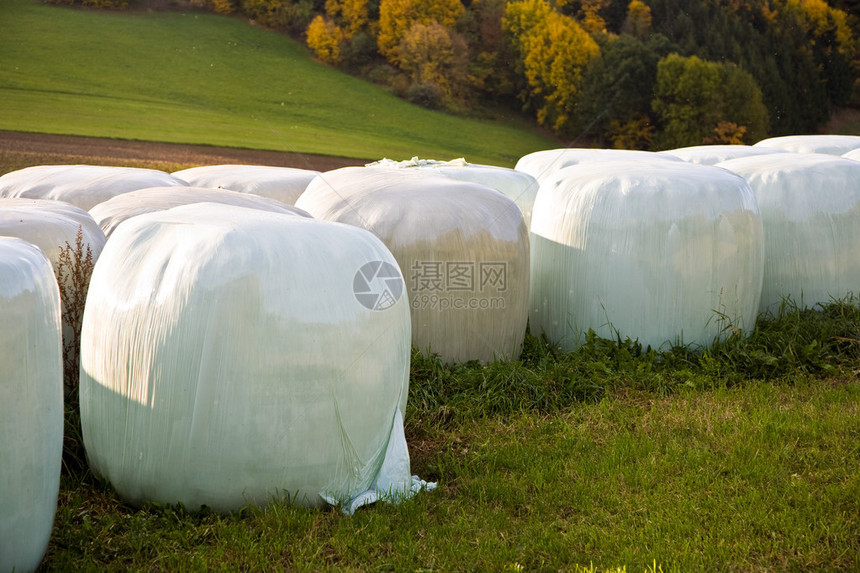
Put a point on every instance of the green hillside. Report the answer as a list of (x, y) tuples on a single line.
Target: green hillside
[(206, 79)]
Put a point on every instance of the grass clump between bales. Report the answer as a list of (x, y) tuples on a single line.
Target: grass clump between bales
[(823, 340)]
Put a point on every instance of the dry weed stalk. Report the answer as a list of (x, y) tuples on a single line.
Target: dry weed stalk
[(74, 268)]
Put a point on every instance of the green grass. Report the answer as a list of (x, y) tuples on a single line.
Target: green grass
[(613, 457), (201, 78), (758, 477)]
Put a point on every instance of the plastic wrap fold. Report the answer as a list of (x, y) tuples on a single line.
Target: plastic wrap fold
[(810, 206), (228, 358), (854, 155), (665, 253), (825, 144), (122, 207), (713, 154), (518, 186), (543, 164), (463, 248), (284, 184), (31, 404), (83, 186)]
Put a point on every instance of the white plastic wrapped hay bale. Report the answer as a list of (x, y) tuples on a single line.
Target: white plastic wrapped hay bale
[(825, 144), (84, 186), (236, 355), (664, 253), (50, 225), (31, 404), (713, 154), (114, 211), (810, 206), (463, 248), (543, 164), (53, 226), (518, 186), (284, 184)]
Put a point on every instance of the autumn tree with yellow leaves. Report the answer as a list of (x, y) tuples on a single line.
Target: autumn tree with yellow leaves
[(328, 35), (553, 50), (397, 16)]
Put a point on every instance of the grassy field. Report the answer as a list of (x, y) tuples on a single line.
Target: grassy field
[(201, 78), (759, 477)]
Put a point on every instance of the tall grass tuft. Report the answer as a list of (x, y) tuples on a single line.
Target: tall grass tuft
[(817, 340)]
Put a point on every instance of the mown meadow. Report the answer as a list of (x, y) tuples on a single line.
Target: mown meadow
[(187, 77)]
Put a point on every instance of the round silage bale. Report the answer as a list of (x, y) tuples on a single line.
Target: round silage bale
[(284, 184), (114, 211), (543, 164), (463, 248), (810, 207), (31, 404), (236, 356), (83, 186), (51, 225), (518, 186), (664, 253), (825, 144)]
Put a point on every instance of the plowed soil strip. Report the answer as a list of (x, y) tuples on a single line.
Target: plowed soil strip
[(83, 147)]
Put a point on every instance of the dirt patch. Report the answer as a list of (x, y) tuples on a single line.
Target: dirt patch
[(125, 150)]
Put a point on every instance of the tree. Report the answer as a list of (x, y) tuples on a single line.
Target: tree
[(351, 15), (798, 51), (695, 98), (333, 37), (553, 51), (638, 21), (617, 89), (431, 54), (489, 72), (397, 16), (831, 44), (325, 37)]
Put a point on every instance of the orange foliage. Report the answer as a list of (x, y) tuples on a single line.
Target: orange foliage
[(637, 133), (727, 133)]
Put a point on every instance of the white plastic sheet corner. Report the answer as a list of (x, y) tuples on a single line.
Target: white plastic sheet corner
[(389, 485)]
